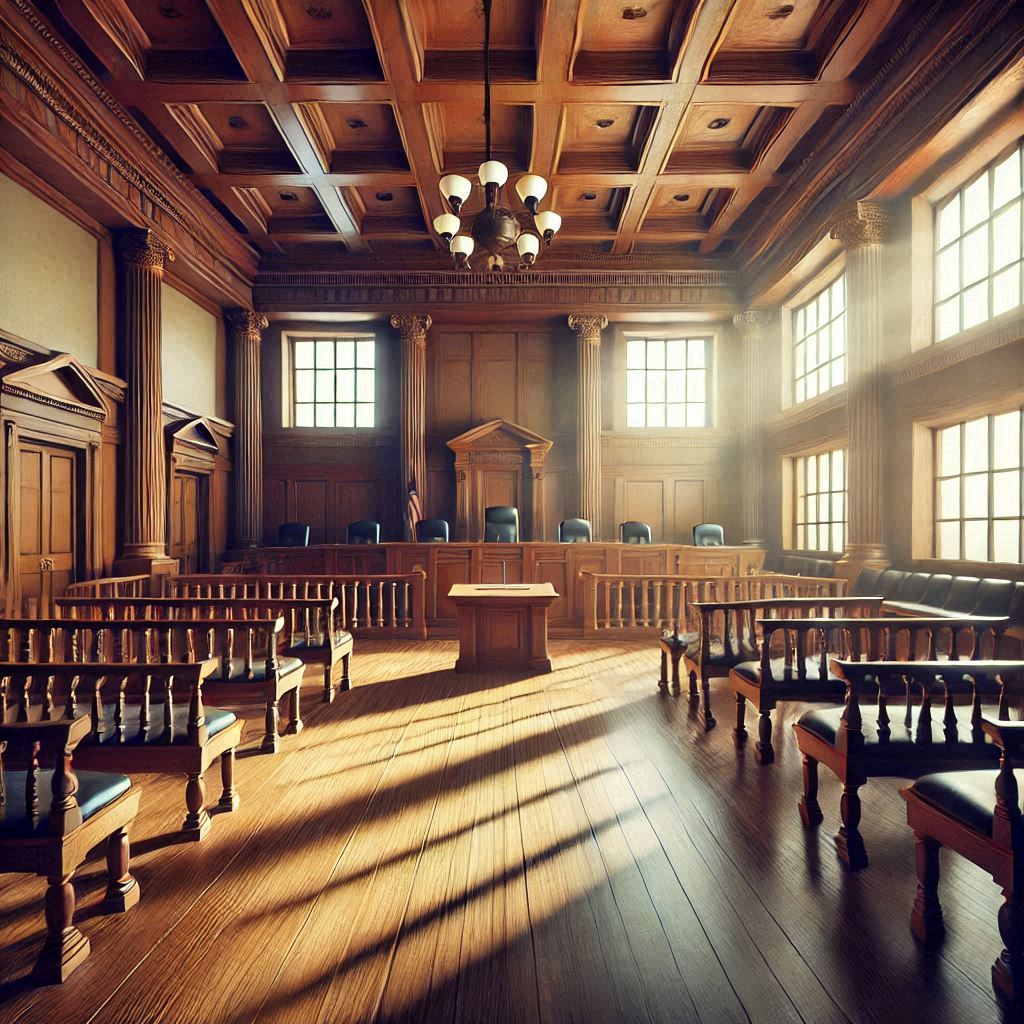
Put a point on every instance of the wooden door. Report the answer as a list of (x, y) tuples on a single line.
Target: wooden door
[(185, 526), (49, 521)]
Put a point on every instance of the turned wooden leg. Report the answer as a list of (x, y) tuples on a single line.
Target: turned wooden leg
[(229, 795), (926, 917), (122, 888), (663, 678), (694, 691), (810, 810), (270, 744), (294, 726), (676, 686), (763, 749), (65, 947), (331, 669), (706, 713), (346, 681), (197, 821), (740, 731), (849, 841), (1008, 970)]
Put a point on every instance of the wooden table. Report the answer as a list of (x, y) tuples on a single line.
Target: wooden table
[(503, 625)]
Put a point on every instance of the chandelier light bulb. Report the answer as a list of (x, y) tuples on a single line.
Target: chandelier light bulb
[(528, 245), (531, 189), (548, 223), (447, 226), (493, 172), (462, 248), (455, 189)]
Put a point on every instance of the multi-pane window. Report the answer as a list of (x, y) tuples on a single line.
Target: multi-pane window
[(979, 259), (978, 496), (819, 342), (820, 501), (667, 382), (333, 381)]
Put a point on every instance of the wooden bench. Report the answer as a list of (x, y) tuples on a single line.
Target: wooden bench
[(858, 743), (796, 655), (50, 820), (131, 731), (245, 649), (978, 815), (728, 634)]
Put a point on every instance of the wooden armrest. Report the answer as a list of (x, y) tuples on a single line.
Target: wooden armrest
[(1009, 736), (59, 733)]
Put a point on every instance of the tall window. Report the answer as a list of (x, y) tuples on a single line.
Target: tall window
[(979, 258), (667, 382), (820, 501), (819, 343), (978, 489), (333, 381)]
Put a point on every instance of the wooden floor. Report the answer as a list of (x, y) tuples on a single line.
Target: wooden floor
[(477, 848)]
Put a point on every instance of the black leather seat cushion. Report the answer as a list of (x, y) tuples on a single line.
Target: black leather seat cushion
[(237, 673), (217, 720), (784, 674), (994, 598), (824, 723), (95, 791), (914, 587), (866, 584), (743, 648), (970, 797)]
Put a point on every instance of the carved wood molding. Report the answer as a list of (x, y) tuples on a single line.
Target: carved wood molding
[(12, 353), (588, 326), (715, 439), (860, 224), (412, 327), (953, 351)]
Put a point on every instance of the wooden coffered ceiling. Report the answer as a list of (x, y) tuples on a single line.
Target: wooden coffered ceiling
[(319, 128)]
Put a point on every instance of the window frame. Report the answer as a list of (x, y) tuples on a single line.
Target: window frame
[(795, 340), (798, 519), (289, 389), (684, 334)]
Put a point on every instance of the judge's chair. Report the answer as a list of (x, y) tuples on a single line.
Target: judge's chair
[(708, 535), (501, 524), (632, 532), (49, 821), (432, 531), (574, 531), (293, 535), (363, 531)]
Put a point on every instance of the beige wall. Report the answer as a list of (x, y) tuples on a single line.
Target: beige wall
[(49, 282), (190, 359)]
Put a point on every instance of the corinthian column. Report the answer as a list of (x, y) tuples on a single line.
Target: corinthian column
[(861, 230), (142, 260), (412, 328), (587, 328), (245, 327), (751, 324)]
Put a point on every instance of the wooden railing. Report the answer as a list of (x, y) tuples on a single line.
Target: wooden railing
[(384, 606), (650, 604), (110, 586)]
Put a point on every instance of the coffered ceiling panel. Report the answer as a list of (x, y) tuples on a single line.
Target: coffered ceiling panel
[(605, 137), (726, 136), (457, 136), (354, 138)]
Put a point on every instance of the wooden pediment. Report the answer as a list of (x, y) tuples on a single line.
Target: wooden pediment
[(196, 434), (62, 382), (499, 435)]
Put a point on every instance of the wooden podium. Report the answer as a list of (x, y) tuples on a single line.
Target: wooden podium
[(503, 626)]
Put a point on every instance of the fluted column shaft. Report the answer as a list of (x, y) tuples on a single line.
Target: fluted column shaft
[(246, 327), (861, 231), (751, 324), (143, 258), (412, 329), (587, 328)]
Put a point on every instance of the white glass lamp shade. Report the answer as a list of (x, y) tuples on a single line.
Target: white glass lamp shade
[(548, 222), (447, 226), (493, 172), (531, 189), (462, 245), (456, 189), (528, 244)]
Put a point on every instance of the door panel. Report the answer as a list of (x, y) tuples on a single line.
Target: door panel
[(185, 526)]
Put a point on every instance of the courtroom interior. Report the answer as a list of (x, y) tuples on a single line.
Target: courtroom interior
[(513, 511)]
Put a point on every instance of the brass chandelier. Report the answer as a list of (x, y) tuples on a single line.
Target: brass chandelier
[(495, 229)]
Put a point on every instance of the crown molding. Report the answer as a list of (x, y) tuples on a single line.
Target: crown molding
[(297, 438), (823, 405), (681, 439)]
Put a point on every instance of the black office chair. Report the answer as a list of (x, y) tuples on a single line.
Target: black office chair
[(708, 535), (574, 531), (501, 524), (632, 532), (363, 531), (293, 535), (432, 531)]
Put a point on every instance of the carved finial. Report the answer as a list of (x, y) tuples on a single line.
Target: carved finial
[(246, 323), (142, 248), (588, 326), (412, 326), (860, 224)]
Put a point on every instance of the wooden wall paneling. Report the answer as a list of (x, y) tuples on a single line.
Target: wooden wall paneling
[(689, 507), (495, 382), (645, 501), (308, 504)]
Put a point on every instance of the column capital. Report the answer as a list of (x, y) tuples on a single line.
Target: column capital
[(588, 326), (412, 326), (860, 224), (139, 247), (752, 321), (247, 323)]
